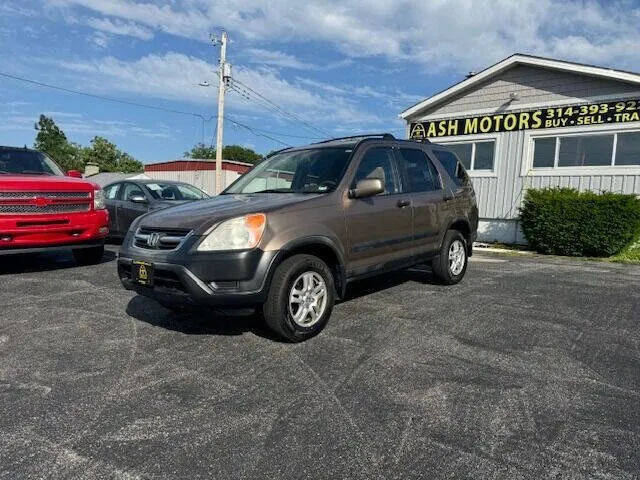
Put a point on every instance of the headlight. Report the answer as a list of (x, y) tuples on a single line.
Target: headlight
[(98, 200), (236, 234)]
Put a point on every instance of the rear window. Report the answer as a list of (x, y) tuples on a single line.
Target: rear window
[(453, 166)]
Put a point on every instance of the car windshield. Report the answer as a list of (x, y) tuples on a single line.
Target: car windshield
[(175, 191), (27, 162), (316, 170)]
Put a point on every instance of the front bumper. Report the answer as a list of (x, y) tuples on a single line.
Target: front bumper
[(183, 277), (38, 233)]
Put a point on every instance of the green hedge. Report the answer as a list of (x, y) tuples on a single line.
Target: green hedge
[(564, 221)]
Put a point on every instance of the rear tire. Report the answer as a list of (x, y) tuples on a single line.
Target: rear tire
[(300, 298), (88, 256), (450, 265)]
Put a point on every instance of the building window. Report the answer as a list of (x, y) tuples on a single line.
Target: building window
[(628, 149), (597, 150), (475, 156)]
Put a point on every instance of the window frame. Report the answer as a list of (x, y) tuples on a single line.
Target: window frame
[(123, 188), (394, 165), (497, 151), (117, 186), (402, 171), (555, 171)]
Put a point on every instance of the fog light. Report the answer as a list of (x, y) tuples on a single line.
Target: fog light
[(6, 238), (103, 230)]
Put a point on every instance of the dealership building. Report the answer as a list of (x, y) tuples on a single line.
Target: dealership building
[(531, 122)]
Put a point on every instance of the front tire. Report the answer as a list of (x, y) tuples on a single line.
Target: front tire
[(300, 298), (88, 256), (450, 265)]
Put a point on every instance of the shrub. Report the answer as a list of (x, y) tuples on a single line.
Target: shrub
[(564, 221)]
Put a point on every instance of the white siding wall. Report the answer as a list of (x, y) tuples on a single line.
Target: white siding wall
[(205, 180), (534, 85), (500, 196)]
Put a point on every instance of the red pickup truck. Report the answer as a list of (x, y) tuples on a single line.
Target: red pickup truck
[(43, 209)]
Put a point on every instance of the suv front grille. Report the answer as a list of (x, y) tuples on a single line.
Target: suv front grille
[(12, 203), (160, 238)]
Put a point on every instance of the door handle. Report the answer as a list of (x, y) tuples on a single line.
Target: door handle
[(403, 203)]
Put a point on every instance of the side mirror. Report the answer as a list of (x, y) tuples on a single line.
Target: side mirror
[(74, 173), (367, 188), (137, 199)]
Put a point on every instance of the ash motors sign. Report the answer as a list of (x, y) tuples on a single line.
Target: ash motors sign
[(621, 111)]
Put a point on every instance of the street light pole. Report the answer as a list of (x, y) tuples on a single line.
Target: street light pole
[(224, 74), (207, 85)]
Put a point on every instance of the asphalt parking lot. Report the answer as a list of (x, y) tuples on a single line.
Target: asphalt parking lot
[(528, 369)]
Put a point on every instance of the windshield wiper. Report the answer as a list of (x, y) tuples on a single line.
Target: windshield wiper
[(2, 172), (275, 190)]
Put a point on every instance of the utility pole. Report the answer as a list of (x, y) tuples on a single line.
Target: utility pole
[(224, 73)]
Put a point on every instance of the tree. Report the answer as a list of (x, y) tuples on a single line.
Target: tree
[(71, 156), (230, 152), (109, 158), (240, 154), (201, 151), (52, 140)]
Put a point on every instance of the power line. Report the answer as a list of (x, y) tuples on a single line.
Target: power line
[(102, 97), (304, 137), (257, 101), (280, 109), (255, 132), (265, 102), (151, 107), (277, 134)]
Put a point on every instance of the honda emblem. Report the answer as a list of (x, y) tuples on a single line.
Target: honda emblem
[(153, 239)]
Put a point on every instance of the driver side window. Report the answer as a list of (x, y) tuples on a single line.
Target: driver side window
[(131, 190), (379, 162)]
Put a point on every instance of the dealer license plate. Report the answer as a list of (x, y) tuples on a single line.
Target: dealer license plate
[(142, 273)]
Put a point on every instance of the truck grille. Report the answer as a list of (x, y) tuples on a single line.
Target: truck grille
[(160, 238), (17, 203)]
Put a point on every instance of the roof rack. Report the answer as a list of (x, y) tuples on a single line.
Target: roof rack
[(383, 136)]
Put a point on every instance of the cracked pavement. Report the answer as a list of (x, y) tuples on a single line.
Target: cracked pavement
[(530, 368)]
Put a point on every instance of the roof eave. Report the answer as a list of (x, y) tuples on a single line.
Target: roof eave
[(519, 59)]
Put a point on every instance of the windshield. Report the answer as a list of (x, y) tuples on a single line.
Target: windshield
[(316, 170), (175, 191), (27, 162)]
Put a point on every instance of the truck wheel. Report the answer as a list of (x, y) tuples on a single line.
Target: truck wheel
[(451, 264), (300, 299), (88, 256)]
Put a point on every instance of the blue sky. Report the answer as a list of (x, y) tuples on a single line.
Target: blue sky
[(344, 67)]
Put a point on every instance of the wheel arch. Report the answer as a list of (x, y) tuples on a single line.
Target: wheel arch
[(462, 225), (321, 247)]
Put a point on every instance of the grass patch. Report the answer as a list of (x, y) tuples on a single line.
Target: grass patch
[(628, 255)]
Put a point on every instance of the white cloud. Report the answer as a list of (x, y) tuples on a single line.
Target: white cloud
[(100, 39), (13, 10), (118, 27), (176, 76), (277, 59), (74, 124), (458, 34)]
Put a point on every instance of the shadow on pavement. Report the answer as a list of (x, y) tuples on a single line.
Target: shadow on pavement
[(369, 286), (44, 262), (221, 321), (199, 321)]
